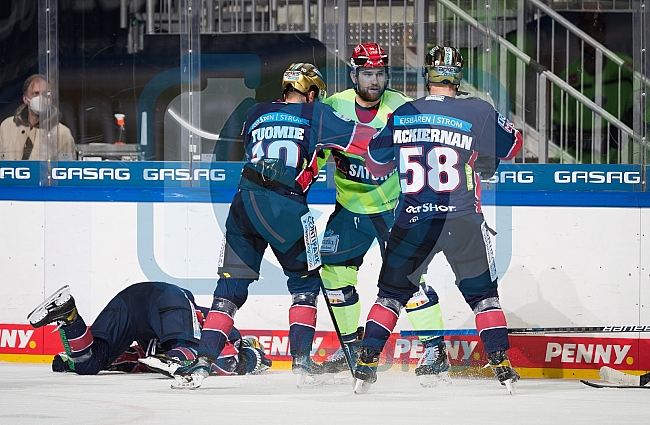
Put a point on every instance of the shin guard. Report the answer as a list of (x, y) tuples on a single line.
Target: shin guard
[(217, 327), (423, 311), (380, 322), (302, 322), (339, 283), (491, 325)]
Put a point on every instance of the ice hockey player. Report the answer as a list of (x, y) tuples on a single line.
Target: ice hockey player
[(364, 212), (437, 139), (162, 318), (281, 141)]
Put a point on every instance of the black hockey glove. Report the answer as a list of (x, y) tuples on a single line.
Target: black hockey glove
[(60, 365), (486, 165)]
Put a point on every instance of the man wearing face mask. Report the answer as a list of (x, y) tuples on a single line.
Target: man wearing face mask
[(20, 135)]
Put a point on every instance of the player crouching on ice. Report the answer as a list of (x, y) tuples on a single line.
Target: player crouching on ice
[(162, 318)]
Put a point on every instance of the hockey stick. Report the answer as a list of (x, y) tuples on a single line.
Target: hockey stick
[(66, 347), (617, 377), (531, 331), (336, 328), (597, 385)]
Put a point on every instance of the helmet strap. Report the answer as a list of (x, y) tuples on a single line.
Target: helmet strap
[(355, 80)]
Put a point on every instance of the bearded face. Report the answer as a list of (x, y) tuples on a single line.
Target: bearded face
[(371, 83)]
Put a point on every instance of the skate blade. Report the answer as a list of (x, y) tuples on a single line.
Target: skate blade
[(159, 366), (187, 382), (339, 378), (430, 381), (361, 386), (614, 376), (57, 298), (304, 380), (510, 386)]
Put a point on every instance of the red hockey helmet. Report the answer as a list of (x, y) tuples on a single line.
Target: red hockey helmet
[(368, 55)]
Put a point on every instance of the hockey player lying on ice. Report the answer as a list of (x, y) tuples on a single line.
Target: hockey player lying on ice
[(162, 318)]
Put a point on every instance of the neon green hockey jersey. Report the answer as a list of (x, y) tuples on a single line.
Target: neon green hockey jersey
[(357, 189)]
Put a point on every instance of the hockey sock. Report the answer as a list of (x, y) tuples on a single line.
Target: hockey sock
[(339, 283), (380, 322), (77, 339), (128, 361), (228, 362), (423, 311), (491, 324), (302, 323), (217, 327), (95, 360), (181, 353)]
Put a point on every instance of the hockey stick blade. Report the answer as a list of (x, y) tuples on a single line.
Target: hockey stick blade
[(618, 377), (595, 385), (530, 331)]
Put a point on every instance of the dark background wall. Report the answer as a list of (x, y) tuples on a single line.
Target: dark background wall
[(98, 77)]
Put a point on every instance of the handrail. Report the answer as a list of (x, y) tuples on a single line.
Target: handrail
[(586, 37), (577, 31), (540, 69)]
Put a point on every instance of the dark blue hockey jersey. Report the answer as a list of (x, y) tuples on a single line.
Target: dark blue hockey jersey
[(294, 133), (435, 141)]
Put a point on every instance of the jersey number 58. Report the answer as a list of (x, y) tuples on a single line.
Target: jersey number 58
[(438, 170)]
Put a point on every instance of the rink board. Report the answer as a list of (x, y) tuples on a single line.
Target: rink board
[(564, 258), (535, 356)]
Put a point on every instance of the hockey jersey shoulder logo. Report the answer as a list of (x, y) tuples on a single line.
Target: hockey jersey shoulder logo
[(506, 124), (341, 116)]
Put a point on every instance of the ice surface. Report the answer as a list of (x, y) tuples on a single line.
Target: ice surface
[(32, 394)]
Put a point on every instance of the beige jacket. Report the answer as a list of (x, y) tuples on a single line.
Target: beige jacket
[(14, 132)]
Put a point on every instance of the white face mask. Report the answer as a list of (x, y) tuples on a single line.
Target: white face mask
[(39, 104)]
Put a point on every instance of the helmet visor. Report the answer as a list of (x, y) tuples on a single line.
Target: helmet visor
[(364, 61)]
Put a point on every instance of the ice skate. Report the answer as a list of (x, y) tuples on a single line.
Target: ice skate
[(365, 372), (502, 369), (191, 377), (433, 367), (163, 363), (58, 307), (338, 362), (308, 372), (336, 366)]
